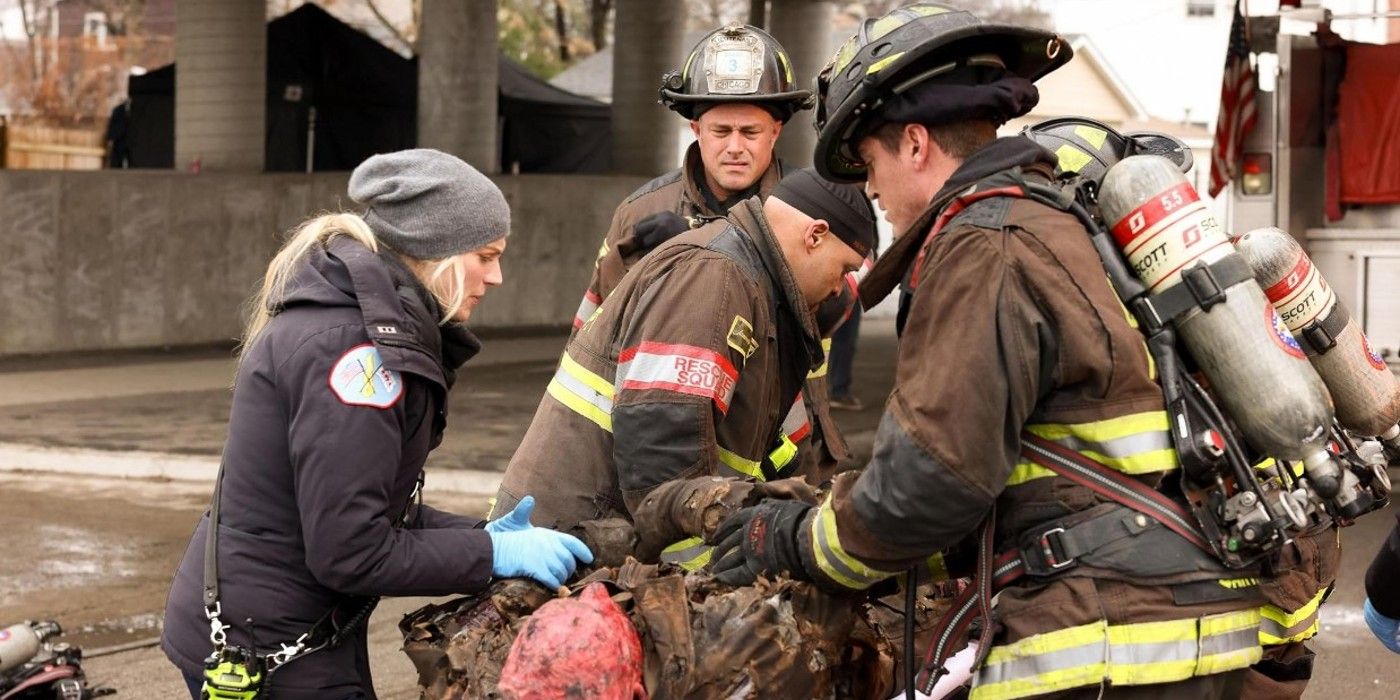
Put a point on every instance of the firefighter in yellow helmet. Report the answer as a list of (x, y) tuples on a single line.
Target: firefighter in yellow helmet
[(1014, 352)]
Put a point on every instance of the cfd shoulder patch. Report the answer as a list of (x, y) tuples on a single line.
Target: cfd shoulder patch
[(741, 337), (359, 378)]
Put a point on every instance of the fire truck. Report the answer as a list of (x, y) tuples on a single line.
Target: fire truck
[(1283, 181)]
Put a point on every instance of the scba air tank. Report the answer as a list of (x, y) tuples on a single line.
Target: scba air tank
[(1256, 369), (18, 644), (1366, 393)]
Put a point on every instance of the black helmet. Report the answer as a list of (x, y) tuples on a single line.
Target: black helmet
[(1089, 148), (735, 63), (904, 48)]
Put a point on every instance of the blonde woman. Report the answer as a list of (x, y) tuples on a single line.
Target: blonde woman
[(350, 349)]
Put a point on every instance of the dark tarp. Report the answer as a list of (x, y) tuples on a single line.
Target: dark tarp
[(548, 130), (150, 128), (366, 97)]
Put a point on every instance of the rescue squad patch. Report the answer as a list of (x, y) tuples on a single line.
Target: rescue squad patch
[(741, 337), (359, 378)]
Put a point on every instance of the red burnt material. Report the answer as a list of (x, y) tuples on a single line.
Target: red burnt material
[(583, 647)]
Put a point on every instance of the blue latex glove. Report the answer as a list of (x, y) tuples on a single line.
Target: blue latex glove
[(1386, 629), (516, 520), (535, 552)]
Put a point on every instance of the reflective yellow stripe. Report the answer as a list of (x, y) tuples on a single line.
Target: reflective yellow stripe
[(691, 554), (1128, 654), (783, 453), (833, 560), (1139, 443), (583, 392), (826, 360), (746, 467), (591, 380), (936, 569), (1279, 626), (880, 64)]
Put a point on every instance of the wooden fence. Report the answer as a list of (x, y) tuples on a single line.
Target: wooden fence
[(26, 146)]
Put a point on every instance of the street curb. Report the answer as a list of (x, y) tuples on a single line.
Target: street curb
[(136, 464)]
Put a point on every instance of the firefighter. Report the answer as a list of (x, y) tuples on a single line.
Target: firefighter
[(1013, 346), (692, 367), (736, 120), (351, 346), (736, 89)]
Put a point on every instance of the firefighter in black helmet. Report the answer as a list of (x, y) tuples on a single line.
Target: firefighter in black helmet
[(747, 75), (737, 90)]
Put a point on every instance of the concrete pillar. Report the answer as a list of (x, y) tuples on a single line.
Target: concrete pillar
[(803, 27), (457, 77), (220, 84), (650, 36)]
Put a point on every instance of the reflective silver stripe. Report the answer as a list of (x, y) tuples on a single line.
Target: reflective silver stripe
[(1122, 447), (830, 557), (795, 425), (586, 308), (1229, 642), (1124, 654), (583, 391)]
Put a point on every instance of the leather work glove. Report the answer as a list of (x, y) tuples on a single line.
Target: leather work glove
[(536, 552), (658, 228), (1385, 628), (760, 539), (516, 520)]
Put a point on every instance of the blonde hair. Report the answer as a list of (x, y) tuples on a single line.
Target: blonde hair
[(320, 231), (430, 271)]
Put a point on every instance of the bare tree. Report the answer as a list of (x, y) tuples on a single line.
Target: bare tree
[(598, 11), (561, 30), (36, 15), (407, 36)]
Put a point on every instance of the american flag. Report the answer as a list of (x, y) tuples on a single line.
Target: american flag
[(1237, 114)]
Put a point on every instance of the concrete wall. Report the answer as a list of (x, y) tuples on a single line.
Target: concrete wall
[(101, 260)]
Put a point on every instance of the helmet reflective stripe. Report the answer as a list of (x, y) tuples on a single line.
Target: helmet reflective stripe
[(894, 53)]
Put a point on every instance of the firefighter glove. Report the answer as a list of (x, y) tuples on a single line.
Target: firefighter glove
[(658, 228), (537, 553), (759, 540), (516, 520)]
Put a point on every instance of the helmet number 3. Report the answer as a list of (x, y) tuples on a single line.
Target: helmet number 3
[(733, 63)]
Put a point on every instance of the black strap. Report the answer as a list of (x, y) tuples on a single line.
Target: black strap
[(1321, 335), (1203, 285), (337, 632), (211, 545), (996, 572), (1115, 486)]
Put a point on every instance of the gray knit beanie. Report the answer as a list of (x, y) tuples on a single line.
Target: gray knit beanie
[(428, 204)]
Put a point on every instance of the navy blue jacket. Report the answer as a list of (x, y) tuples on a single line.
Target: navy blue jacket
[(335, 408)]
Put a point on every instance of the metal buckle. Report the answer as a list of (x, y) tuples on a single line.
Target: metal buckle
[(1044, 560)]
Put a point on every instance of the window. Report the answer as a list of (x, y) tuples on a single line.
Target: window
[(1200, 8), (95, 28)]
